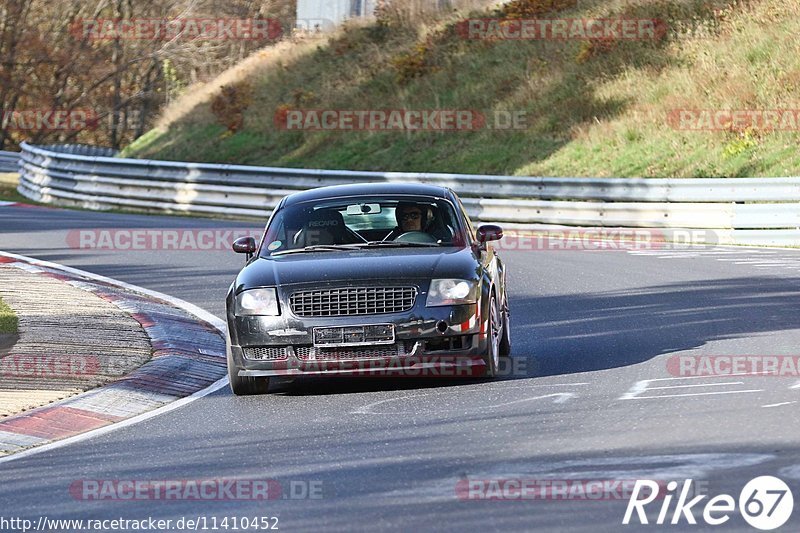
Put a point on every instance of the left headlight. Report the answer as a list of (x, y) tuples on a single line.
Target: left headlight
[(255, 302), (452, 292)]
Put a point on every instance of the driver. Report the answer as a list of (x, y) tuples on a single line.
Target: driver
[(410, 217)]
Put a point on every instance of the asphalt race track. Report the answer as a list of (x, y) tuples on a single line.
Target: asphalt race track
[(593, 398)]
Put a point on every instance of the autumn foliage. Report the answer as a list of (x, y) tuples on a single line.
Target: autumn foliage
[(50, 65)]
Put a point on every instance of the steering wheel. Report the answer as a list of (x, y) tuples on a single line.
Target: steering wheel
[(415, 236)]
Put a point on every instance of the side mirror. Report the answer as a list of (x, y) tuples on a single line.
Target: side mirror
[(489, 232), (245, 245)]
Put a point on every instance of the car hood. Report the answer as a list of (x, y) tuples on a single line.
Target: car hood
[(393, 264)]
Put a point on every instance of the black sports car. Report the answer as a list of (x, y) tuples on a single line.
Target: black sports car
[(367, 279)]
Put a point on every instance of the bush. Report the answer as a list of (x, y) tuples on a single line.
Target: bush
[(231, 103), (8, 319), (744, 141), (413, 64)]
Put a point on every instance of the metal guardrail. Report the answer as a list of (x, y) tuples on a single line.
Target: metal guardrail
[(732, 210), (9, 161), (78, 149)]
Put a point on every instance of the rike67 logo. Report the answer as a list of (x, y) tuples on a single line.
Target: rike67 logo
[(765, 503)]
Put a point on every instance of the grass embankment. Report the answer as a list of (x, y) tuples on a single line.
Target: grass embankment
[(8, 319), (592, 108)]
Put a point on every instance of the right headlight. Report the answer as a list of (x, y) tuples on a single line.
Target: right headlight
[(452, 292), (257, 302)]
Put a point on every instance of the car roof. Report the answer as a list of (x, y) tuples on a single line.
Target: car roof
[(356, 189)]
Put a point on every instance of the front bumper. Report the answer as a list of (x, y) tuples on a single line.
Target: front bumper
[(425, 338)]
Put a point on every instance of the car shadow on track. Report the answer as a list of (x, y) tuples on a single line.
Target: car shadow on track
[(596, 331), (566, 334), (348, 385)]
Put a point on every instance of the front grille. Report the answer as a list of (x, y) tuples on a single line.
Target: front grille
[(266, 353), (353, 301), (343, 353)]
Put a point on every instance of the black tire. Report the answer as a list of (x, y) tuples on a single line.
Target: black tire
[(494, 331), (245, 386), (505, 341)]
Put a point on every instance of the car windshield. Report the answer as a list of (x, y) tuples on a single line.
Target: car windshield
[(363, 222)]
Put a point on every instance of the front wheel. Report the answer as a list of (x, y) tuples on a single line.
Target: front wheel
[(505, 341), (495, 334), (243, 385)]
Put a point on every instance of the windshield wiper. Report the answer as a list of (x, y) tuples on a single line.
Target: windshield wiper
[(357, 246), (400, 243), (317, 248)]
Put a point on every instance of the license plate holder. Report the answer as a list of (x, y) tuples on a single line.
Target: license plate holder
[(361, 335)]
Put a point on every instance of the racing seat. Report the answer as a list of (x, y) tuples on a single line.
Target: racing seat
[(324, 226)]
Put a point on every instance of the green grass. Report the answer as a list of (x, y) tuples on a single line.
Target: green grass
[(591, 111), (8, 189), (8, 319)]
